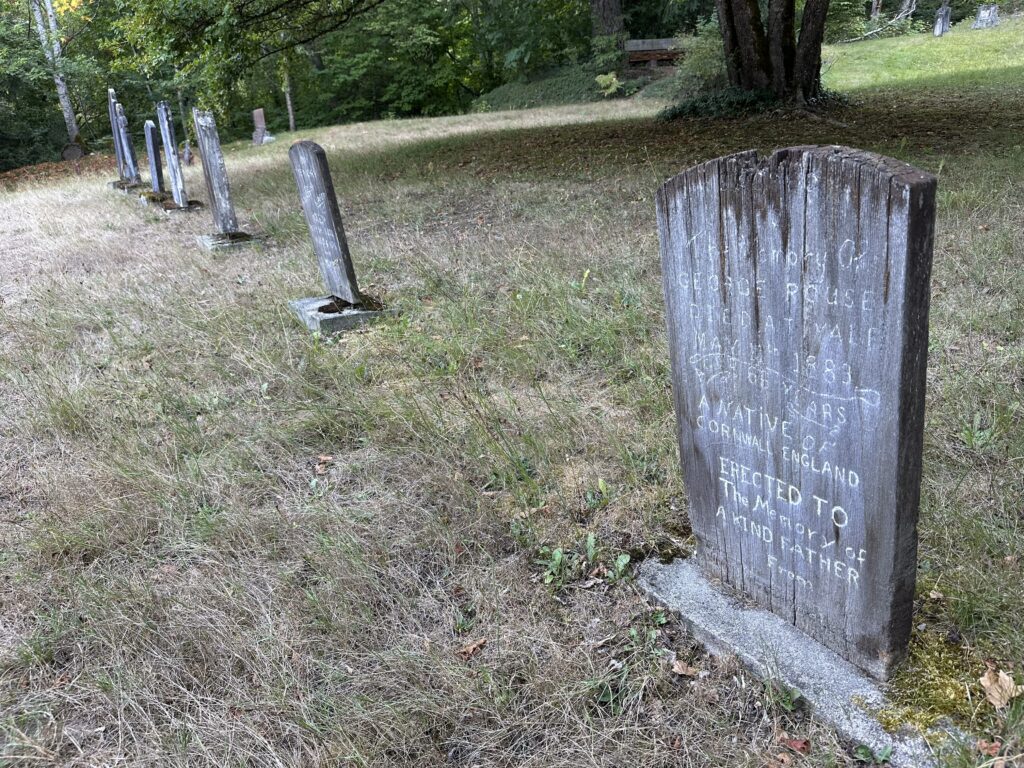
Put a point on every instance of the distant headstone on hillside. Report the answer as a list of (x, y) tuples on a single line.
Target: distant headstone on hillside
[(344, 306), (260, 135), (988, 16), (942, 23), (797, 291), (215, 173)]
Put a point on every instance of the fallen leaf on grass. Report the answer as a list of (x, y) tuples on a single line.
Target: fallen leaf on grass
[(989, 748), (803, 746), (680, 667), (467, 652), (936, 595), (322, 463), (999, 687)]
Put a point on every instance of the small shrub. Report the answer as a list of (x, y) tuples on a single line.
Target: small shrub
[(729, 102), (609, 84), (702, 66)]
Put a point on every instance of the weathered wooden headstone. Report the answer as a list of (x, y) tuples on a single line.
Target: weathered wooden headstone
[(175, 178), (344, 306), (132, 177), (260, 123), (988, 16), (797, 290), (215, 173), (156, 173), (112, 114), (942, 22)]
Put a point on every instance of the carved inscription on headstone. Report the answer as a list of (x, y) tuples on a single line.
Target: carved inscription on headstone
[(797, 291), (175, 178), (156, 173), (319, 204), (215, 172), (128, 156)]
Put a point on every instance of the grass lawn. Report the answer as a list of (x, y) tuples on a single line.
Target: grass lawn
[(226, 542)]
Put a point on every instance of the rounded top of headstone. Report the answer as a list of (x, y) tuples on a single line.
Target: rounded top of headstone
[(72, 152), (750, 163), (305, 146)]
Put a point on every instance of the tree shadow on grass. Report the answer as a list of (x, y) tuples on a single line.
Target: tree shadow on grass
[(938, 118)]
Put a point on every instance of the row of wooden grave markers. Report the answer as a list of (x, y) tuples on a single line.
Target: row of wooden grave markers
[(344, 306), (988, 17), (797, 296)]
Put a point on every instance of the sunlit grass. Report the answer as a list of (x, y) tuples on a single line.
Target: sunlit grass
[(962, 58)]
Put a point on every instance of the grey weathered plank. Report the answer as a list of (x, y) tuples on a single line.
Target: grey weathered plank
[(320, 205), (112, 114), (797, 297), (128, 157), (215, 172), (175, 178), (652, 44), (156, 173)]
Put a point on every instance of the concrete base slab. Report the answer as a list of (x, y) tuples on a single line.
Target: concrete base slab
[(220, 241), (837, 691), (321, 313)]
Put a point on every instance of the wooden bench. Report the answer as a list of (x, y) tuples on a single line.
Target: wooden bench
[(652, 51)]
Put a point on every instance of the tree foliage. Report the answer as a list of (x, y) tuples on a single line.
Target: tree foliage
[(347, 60)]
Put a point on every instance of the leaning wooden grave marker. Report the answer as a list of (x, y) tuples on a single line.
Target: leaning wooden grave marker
[(131, 161), (156, 172), (215, 173), (344, 307), (175, 178), (797, 290), (112, 114)]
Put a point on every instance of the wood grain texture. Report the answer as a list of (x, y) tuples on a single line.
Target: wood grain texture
[(128, 157), (320, 205), (175, 177), (797, 290), (156, 173), (215, 172)]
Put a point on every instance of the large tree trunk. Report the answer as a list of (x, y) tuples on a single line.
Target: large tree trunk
[(746, 45), (807, 76), (606, 16), (762, 56), (49, 39)]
